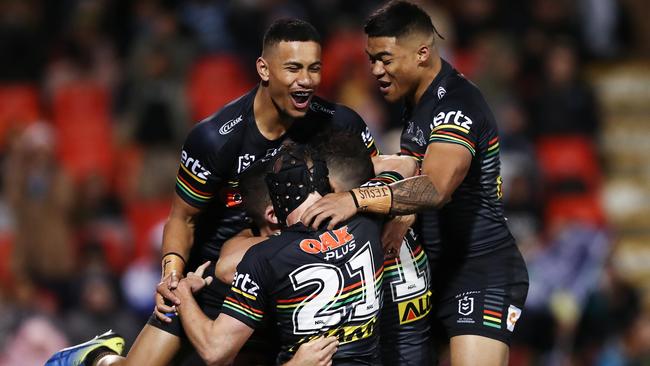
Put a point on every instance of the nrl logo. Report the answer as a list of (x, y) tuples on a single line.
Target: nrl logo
[(228, 126), (466, 305), (244, 162)]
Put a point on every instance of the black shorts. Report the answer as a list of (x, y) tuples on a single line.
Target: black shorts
[(481, 295)]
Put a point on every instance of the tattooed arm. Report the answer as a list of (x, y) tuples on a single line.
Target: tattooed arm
[(444, 168)]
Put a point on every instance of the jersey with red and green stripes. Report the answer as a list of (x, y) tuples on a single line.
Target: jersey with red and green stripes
[(227, 143), (315, 283), (453, 111)]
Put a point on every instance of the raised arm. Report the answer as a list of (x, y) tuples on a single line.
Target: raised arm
[(177, 241), (444, 168)]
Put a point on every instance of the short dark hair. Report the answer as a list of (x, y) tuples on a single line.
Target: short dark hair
[(346, 157), (255, 195), (290, 30), (398, 18)]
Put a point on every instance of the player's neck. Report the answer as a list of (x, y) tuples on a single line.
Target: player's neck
[(294, 216), (271, 124), (428, 75)]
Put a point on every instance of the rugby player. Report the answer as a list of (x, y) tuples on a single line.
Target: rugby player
[(480, 278), (404, 321), (313, 282), (205, 211)]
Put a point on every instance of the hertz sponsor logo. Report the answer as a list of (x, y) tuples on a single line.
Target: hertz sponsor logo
[(194, 167), (347, 334), (414, 309), (459, 119)]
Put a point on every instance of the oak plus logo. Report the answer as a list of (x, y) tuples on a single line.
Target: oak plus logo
[(244, 162), (194, 167), (466, 305), (228, 126)]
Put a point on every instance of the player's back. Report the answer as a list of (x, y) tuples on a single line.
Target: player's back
[(316, 283)]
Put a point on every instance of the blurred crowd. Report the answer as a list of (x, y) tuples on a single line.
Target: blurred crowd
[(96, 97)]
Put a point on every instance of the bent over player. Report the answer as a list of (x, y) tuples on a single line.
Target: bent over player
[(480, 278), (315, 283), (404, 321)]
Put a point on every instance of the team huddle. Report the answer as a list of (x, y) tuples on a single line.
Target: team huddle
[(292, 240)]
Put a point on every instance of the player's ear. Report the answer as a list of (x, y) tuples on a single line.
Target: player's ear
[(269, 215), (262, 68), (424, 53)]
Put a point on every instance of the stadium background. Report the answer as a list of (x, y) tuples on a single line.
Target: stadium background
[(96, 97)]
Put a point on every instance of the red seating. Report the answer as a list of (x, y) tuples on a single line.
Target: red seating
[(81, 114), (142, 217), (569, 158), (342, 56), (585, 208), (215, 81), (19, 106)]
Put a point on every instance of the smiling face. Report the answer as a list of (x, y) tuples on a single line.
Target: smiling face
[(292, 71), (395, 65)]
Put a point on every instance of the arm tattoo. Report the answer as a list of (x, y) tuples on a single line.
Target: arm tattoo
[(413, 195)]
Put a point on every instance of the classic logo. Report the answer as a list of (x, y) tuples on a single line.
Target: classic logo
[(244, 282), (441, 92), (513, 315), (194, 167), (466, 305), (228, 126), (317, 107), (459, 119), (244, 162)]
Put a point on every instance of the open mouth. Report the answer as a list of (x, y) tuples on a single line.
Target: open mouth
[(384, 85), (301, 99)]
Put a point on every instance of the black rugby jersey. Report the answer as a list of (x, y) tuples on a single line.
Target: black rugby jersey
[(315, 283), (404, 321), (225, 144), (453, 110)]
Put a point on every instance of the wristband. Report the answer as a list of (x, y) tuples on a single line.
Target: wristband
[(373, 199), (172, 261)]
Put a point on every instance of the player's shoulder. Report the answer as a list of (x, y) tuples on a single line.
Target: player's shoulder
[(337, 112), (223, 126), (274, 245), (459, 92)]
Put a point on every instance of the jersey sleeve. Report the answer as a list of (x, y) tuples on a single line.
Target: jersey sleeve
[(356, 124), (456, 123), (248, 295), (199, 173)]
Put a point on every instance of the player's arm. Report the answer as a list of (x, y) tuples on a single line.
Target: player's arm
[(405, 166), (177, 241), (216, 341), (232, 253), (444, 168)]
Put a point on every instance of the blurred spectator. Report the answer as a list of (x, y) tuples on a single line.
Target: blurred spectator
[(84, 52), (565, 103), (22, 42), (40, 194), (156, 107), (208, 21), (99, 310), (35, 340)]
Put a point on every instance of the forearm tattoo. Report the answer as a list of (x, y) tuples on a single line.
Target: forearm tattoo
[(413, 195)]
